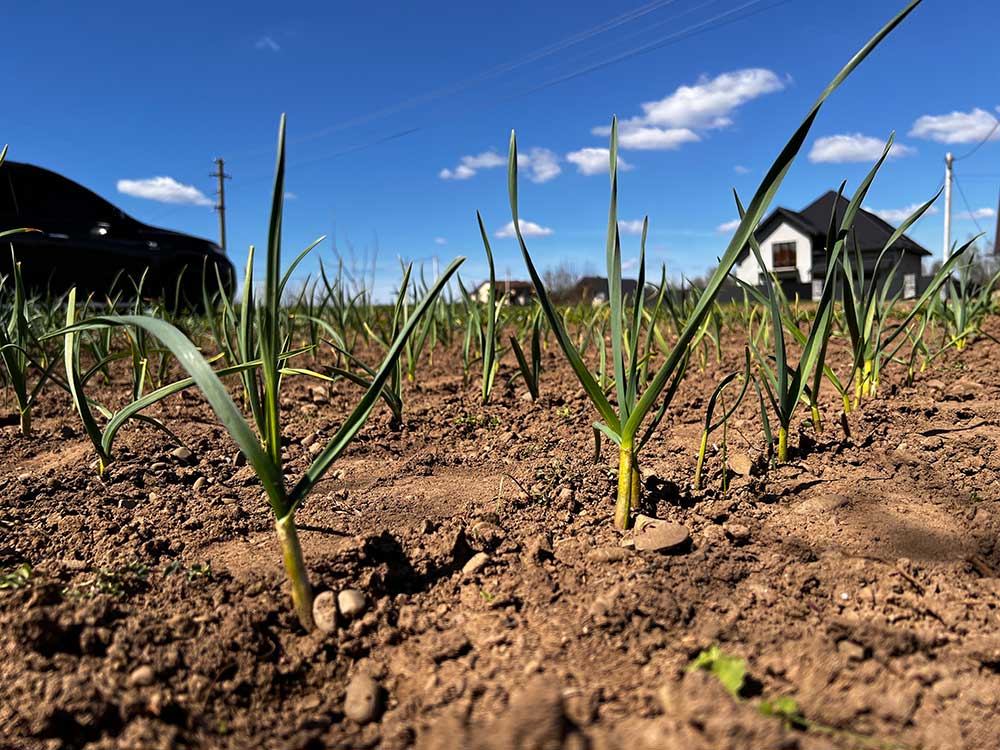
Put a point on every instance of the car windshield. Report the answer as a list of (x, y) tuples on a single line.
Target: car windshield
[(39, 193)]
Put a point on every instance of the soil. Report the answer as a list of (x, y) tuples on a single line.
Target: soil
[(860, 579)]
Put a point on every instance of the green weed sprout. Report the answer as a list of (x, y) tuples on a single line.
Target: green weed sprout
[(622, 424)]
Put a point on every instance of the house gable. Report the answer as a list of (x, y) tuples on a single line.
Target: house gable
[(788, 235)]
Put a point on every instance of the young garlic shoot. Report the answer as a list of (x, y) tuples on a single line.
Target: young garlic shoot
[(263, 446), (711, 426), (622, 423)]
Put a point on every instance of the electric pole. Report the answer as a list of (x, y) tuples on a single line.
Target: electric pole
[(220, 173), (996, 233), (948, 159)]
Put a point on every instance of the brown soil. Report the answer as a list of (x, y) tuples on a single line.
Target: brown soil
[(861, 579)]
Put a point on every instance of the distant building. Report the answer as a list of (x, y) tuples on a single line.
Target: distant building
[(793, 248), (594, 289), (518, 293)]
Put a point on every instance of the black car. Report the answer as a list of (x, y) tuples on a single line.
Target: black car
[(88, 243)]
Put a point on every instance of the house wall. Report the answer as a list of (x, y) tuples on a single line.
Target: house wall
[(749, 270)]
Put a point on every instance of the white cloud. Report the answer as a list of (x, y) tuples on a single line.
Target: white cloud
[(898, 215), (644, 138), (164, 190), (710, 102), (957, 127), (440, 241), (729, 226), (290, 196), (591, 161), (266, 42), (633, 226), (976, 214), (845, 147), (469, 165), (740, 169), (528, 229), (671, 122), (539, 164)]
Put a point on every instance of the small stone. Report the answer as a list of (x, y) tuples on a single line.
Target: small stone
[(319, 395), (741, 463), (182, 453), (488, 534), (607, 554), (157, 466), (325, 612), (946, 689), (142, 677), (153, 497), (475, 564), (537, 549), (309, 440), (24, 477), (351, 603), (363, 700), (654, 535), (126, 503), (200, 483), (239, 459), (315, 449), (565, 496), (851, 650), (737, 532)]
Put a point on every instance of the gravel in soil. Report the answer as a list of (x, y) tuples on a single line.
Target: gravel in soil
[(492, 604)]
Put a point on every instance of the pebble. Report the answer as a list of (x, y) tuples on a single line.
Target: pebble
[(351, 603), (476, 563), (199, 484), (607, 554), (182, 453), (652, 534), (142, 676), (157, 466), (946, 689), (739, 533), (363, 700), (325, 612), (538, 549), (315, 449), (851, 650), (488, 534), (740, 463)]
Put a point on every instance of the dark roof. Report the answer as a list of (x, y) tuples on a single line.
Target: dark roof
[(870, 231), (599, 285)]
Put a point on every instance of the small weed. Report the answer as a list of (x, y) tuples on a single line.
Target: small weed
[(475, 421), (487, 596), (115, 583), (198, 570), (564, 412), (731, 671), (16, 578)]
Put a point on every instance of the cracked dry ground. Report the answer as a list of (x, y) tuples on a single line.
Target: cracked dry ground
[(861, 579)]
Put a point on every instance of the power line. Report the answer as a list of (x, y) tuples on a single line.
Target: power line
[(968, 208), (979, 145)]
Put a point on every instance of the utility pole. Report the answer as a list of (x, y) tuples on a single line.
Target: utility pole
[(948, 159), (220, 173), (996, 232)]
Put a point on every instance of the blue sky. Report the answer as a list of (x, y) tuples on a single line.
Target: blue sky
[(397, 110)]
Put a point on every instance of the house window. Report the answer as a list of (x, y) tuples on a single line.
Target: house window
[(817, 289), (909, 285), (783, 255)]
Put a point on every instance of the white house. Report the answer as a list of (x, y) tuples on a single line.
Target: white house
[(793, 248)]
